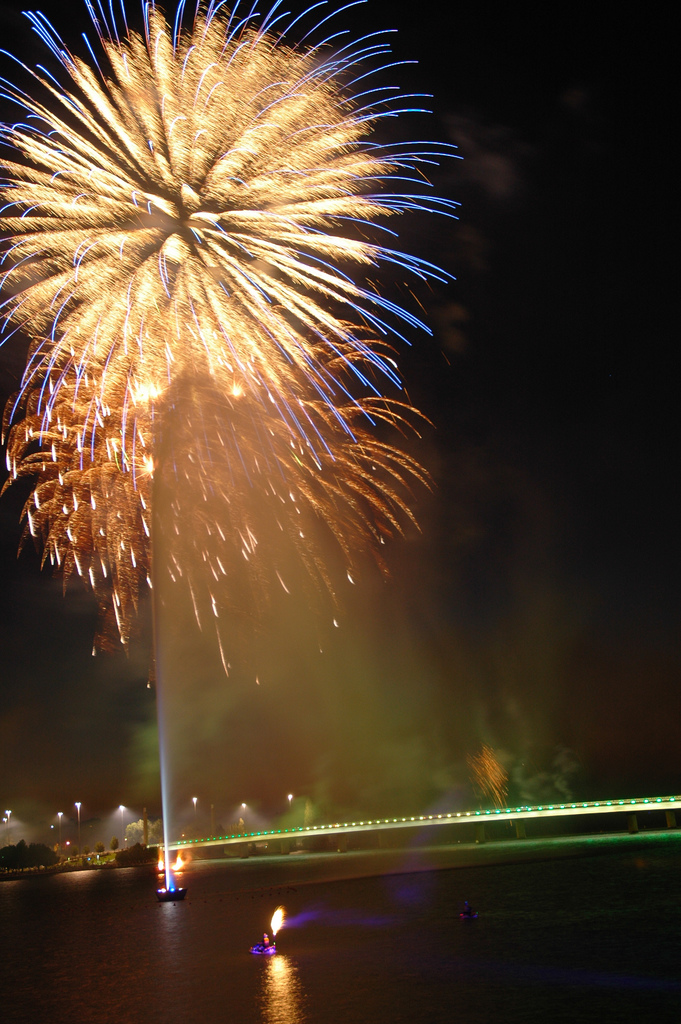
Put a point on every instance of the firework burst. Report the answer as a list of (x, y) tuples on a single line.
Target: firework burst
[(187, 219), (488, 775)]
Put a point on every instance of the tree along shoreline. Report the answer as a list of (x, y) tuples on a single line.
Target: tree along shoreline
[(29, 860)]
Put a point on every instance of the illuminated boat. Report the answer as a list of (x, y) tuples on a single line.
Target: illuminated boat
[(267, 948), (260, 950), (170, 895)]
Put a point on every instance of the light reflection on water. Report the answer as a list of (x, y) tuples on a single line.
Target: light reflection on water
[(170, 931), (588, 939), (282, 994)]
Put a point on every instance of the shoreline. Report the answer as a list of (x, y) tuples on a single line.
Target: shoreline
[(309, 867)]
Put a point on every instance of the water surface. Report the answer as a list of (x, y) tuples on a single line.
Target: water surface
[(594, 937)]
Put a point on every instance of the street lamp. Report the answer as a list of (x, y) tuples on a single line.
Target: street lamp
[(9, 827), (194, 799), (290, 798), (77, 806), (59, 815), (121, 808)]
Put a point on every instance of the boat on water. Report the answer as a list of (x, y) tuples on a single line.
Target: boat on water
[(267, 946), (261, 950), (170, 895)]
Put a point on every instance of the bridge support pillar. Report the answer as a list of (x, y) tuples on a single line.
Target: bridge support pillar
[(480, 836), (520, 832), (278, 847), (342, 844), (671, 819), (632, 823)]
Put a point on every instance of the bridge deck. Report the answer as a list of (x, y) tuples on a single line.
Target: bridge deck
[(555, 810)]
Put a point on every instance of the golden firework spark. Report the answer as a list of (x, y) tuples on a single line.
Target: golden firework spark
[(182, 223), (488, 775)]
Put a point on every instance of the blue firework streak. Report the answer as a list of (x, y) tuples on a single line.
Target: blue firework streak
[(190, 224)]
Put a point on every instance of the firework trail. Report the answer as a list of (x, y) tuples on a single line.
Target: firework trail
[(488, 775), (189, 243)]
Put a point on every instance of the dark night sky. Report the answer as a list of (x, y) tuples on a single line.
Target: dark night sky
[(538, 609)]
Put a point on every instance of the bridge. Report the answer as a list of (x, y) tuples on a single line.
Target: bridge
[(283, 837)]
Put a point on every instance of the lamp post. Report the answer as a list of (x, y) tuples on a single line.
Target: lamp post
[(59, 815), (290, 798), (9, 827), (121, 808), (194, 799), (77, 806)]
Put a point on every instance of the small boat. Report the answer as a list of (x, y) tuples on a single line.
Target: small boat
[(468, 915), (170, 895), (261, 950)]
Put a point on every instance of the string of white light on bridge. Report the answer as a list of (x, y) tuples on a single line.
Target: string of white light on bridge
[(666, 803)]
